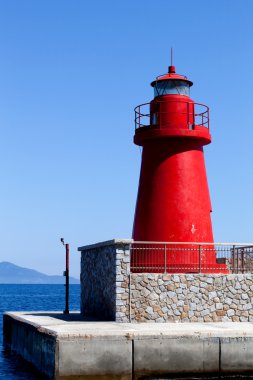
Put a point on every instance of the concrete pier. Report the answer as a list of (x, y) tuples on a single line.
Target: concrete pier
[(66, 347)]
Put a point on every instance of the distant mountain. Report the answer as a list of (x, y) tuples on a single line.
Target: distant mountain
[(13, 274)]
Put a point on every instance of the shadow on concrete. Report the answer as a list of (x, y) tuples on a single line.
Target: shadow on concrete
[(71, 317)]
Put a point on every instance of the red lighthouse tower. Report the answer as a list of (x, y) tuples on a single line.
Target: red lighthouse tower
[(173, 203)]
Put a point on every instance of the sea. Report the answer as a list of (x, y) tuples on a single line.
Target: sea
[(47, 298), (30, 298)]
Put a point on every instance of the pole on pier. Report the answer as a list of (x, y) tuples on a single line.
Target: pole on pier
[(66, 274)]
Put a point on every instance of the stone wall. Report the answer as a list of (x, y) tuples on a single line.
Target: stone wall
[(106, 283), (191, 298), (105, 269)]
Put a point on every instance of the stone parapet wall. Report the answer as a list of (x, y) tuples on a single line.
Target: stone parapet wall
[(191, 298), (105, 270), (110, 292)]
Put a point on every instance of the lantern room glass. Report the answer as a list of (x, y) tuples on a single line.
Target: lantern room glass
[(177, 87)]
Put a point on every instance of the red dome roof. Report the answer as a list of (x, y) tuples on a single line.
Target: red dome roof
[(170, 76)]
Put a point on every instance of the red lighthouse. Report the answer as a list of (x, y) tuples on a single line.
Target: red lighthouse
[(173, 203)]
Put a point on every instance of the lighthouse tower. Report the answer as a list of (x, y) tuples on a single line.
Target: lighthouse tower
[(173, 202)]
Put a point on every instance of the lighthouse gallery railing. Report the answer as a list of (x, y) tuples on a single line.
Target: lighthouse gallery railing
[(175, 257), (143, 116)]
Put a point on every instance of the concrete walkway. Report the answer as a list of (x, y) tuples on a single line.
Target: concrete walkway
[(65, 346)]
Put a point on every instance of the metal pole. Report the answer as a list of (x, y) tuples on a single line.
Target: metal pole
[(237, 251), (200, 254), (165, 259), (242, 259), (66, 311), (233, 261)]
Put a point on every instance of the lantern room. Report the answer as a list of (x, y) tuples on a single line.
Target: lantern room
[(171, 112), (171, 84)]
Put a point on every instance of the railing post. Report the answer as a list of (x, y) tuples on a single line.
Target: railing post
[(200, 258), (129, 280), (250, 260), (165, 259), (130, 257), (188, 116), (237, 251), (233, 269), (242, 259)]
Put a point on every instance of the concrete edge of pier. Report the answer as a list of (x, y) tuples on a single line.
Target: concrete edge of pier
[(66, 347)]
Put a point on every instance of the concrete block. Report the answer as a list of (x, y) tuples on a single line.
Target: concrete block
[(236, 355), (34, 346), (175, 355), (95, 359)]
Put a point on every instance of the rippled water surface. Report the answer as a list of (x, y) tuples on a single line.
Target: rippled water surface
[(30, 298)]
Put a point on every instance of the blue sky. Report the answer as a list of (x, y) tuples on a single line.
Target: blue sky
[(71, 73)]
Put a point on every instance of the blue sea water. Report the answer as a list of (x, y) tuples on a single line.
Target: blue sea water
[(30, 298)]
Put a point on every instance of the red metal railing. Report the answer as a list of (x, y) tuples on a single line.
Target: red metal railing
[(163, 75), (145, 118), (166, 257)]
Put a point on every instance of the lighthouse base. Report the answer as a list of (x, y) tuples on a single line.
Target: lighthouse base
[(111, 291)]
